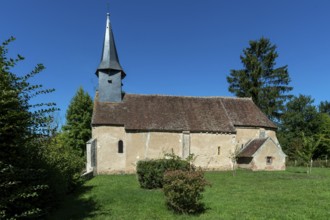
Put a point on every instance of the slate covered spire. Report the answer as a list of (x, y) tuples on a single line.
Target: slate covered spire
[(109, 58), (110, 72)]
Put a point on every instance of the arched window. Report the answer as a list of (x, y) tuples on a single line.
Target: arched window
[(120, 146), (219, 150)]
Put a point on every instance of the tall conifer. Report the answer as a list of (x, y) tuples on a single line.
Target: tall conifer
[(260, 79), (77, 130)]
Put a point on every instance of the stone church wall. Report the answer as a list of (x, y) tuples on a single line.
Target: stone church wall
[(108, 160), (150, 145), (276, 157), (244, 135), (213, 151), (136, 146)]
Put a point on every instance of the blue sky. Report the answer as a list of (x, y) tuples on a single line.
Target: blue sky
[(177, 47)]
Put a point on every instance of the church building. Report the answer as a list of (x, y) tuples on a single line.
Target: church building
[(127, 127)]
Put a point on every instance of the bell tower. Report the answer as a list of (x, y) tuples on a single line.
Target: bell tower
[(110, 72)]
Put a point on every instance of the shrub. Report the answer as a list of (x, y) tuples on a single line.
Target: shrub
[(34, 171), (64, 167), (151, 172), (24, 126), (183, 190)]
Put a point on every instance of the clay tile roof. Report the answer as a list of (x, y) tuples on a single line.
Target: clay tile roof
[(243, 112), (180, 113), (252, 147)]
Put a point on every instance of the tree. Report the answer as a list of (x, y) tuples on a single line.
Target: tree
[(300, 116), (323, 134), (233, 155), (77, 130), (324, 107), (23, 179), (36, 168), (259, 79), (306, 153)]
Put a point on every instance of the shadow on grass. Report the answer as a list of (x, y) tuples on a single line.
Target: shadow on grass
[(73, 206), (197, 211), (301, 173), (298, 171)]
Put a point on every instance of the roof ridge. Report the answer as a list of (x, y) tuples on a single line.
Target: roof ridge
[(166, 95)]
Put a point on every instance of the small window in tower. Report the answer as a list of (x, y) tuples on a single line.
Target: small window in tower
[(269, 160), (219, 150), (120, 147), (109, 81)]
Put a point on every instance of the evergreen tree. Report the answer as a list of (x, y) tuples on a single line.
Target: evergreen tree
[(77, 130), (260, 79), (23, 179)]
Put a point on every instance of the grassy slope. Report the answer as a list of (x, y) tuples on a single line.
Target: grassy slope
[(249, 195)]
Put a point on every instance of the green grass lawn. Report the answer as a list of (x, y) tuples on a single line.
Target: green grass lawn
[(290, 194)]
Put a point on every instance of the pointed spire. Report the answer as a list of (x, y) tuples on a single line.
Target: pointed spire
[(109, 59)]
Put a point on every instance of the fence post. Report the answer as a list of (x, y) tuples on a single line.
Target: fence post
[(326, 160)]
